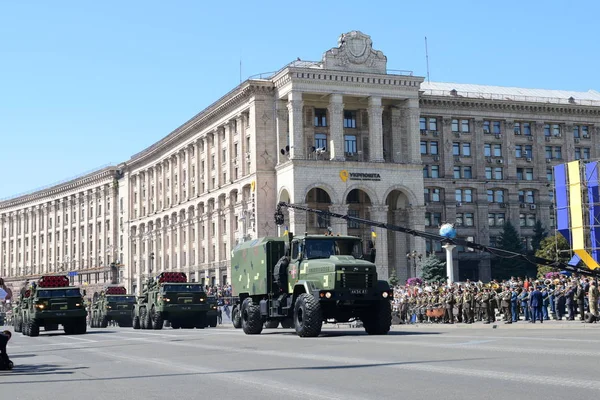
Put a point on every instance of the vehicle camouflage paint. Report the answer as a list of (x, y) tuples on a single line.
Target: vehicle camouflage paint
[(304, 281), (112, 304), (49, 303), (171, 298)]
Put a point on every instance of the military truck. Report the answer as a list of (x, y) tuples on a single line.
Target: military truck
[(50, 303), (304, 281), (170, 297), (112, 304)]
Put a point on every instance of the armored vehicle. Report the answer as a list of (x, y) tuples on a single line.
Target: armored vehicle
[(49, 303), (112, 304), (211, 316), (171, 298), (304, 281)]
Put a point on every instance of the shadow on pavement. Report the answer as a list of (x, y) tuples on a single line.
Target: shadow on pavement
[(23, 356), (239, 371), (42, 369), (332, 334)]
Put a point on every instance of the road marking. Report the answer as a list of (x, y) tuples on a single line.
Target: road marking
[(80, 338)]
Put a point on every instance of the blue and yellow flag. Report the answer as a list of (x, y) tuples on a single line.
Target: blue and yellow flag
[(373, 233), (285, 232)]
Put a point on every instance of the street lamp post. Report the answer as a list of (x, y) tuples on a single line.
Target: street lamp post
[(414, 256)]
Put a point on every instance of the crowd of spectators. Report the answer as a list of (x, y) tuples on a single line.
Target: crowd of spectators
[(557, 296)]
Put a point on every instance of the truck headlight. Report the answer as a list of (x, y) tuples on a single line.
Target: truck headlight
[(385, 295), (328, 295), (40, 306)]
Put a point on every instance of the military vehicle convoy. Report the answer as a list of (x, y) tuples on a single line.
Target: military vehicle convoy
[(50, 303), (170, 297), (112, 304), (304, 281)]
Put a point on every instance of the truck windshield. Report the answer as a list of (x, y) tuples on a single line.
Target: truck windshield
[(122, 299), (183, 288), (59, 293), (325, 248)]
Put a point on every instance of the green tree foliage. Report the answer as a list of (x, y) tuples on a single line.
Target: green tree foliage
[(553, 248), (505, 267), (539, 233), (433, 269)]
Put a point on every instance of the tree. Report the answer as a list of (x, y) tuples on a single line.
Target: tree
[(393, 279), (553, 248), (539, 233), (504, 267), (433, 269)]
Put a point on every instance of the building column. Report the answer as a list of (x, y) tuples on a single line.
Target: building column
[(295, 109), (375, 130), (207, 161), (282, 130), (338, 225), (380, 214), (412, 133), (416, 221), (336, 127), (569, 148), (398, 151)]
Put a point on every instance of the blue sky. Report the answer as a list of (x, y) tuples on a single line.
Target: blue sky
[(83, 84)]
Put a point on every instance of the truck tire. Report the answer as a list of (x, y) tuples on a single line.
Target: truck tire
[(287, 323), (104, 322), (18, 325), (251, 320), (308, 317), (379, 320), (273, 324), (236, 318), (25, 327), (34, 329), (157, 320), (136, 322)]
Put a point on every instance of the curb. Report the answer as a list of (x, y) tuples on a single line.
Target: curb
[(500, 325)]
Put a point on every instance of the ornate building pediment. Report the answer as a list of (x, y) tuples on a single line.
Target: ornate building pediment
[(355, 54)]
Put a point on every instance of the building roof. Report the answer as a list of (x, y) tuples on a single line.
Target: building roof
[(591, 97)]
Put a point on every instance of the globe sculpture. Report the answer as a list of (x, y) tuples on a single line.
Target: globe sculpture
[(448, 231)]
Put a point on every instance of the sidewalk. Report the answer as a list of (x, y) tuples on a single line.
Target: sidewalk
[(501, 325)]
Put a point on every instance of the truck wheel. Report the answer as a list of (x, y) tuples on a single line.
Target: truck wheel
[(236, 317), (34, 329), (157, 320), (287, 323), (147, 320), (251, 320), (104, 322), (136, 322), (26, 327), (79, 326), (308, 317), (18, 326), (379, 320), (273, 324)]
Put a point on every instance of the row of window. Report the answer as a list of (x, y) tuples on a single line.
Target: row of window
[(495, 127), (466, 195)]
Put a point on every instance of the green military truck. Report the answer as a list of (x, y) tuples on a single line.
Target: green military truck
[(304, 281), (112, 304), (50, 303), (171, 298)]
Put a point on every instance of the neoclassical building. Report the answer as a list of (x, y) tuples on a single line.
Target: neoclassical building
[(344, 134)]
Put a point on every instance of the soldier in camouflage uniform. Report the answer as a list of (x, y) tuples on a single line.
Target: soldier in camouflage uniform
[(449, 304), (505, 303), (468, 302), (459, 305), (485, 305)]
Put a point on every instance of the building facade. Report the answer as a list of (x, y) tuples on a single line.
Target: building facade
[(344, 134)]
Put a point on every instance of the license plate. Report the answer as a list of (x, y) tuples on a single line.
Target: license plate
[(358, 291), (186, 308), (61, 314)]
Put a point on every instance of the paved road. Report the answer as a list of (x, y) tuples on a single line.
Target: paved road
[(416, 362)]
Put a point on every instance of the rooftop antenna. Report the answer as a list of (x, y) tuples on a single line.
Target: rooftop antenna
[(427, 59)]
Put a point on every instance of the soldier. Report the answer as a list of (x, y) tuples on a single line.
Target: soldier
[(593, 299), (468, 299), (505, 299), (580, 296), (449, 302), (570, 300), (559, 300), (485, 306), (459, 305)]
